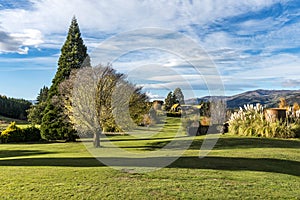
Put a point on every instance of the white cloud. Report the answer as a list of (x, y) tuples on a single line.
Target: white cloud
[(256, 25), (8, 43), (291, 83), (29, 37), (45, 26), (53, 16), (153, 96), (23, 50), (19, 42)]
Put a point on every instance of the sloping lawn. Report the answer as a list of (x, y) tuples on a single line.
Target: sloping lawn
[(237, 168), (5, 121)]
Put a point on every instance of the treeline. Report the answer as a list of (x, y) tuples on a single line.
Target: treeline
[(14, 108), (85, 100)]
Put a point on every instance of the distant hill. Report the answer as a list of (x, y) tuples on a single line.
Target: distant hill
[(14, 108), (268, 98)]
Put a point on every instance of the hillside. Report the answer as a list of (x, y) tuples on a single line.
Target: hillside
[(14, 108), (269, 98)]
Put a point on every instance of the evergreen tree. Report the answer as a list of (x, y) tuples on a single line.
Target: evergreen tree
[(14, 108), (43, 95), (170, 101), (205, 108), (35, 113), (179, 96), (173, 98), (73, 56), (55, 123)]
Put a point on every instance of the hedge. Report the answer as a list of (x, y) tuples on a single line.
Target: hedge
[(15, 134)]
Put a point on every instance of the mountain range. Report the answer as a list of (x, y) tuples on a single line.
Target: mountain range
[(267, 98)]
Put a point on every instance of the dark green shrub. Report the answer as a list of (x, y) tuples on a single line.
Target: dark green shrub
[(296, 130), (32, 134)]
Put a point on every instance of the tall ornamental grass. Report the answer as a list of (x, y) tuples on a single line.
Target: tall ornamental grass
[(251, 121)]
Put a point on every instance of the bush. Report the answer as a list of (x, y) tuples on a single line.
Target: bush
[(251, 121), (32, 134), (12, 134), (205, 121), (147, 121), (112, 129), (193, 125), (296, 130), (15, 134)]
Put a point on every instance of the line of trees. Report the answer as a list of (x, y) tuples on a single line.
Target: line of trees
[(14, 108), (84, 98), (173, 98)]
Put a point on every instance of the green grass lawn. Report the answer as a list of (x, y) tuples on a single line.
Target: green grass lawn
[(5, 121), (237, 168)]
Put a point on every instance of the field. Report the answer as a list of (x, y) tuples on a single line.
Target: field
[(5, 121), (237, 168)]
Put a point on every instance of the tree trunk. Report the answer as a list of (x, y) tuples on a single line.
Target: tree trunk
[(97, 139)]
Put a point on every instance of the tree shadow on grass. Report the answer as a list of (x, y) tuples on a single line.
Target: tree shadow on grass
[(112, 139), (233, 143), (14, 153), (64, 162), (217, 163), (195, 143), (227, 143), (239, 163)]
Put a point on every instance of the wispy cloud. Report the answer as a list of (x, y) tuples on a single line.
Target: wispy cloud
[(19, 41), (291, 83), (53, 16), (10, 44), (250, 44)]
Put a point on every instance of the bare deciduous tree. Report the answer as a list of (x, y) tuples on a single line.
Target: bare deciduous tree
[(100, 97)]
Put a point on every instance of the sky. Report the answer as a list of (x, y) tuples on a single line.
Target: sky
[(205, 47)]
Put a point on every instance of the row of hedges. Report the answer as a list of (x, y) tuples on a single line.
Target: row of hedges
[(15, 134)]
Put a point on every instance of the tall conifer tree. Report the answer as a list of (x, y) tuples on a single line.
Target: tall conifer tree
[(35, 113), (179, 97), (55, 123)]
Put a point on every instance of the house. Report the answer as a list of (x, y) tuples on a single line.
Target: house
[(176, 108)]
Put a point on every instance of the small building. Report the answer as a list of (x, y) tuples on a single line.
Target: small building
[(176, 108)]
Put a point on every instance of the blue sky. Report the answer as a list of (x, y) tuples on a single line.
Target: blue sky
[(161, 45)]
